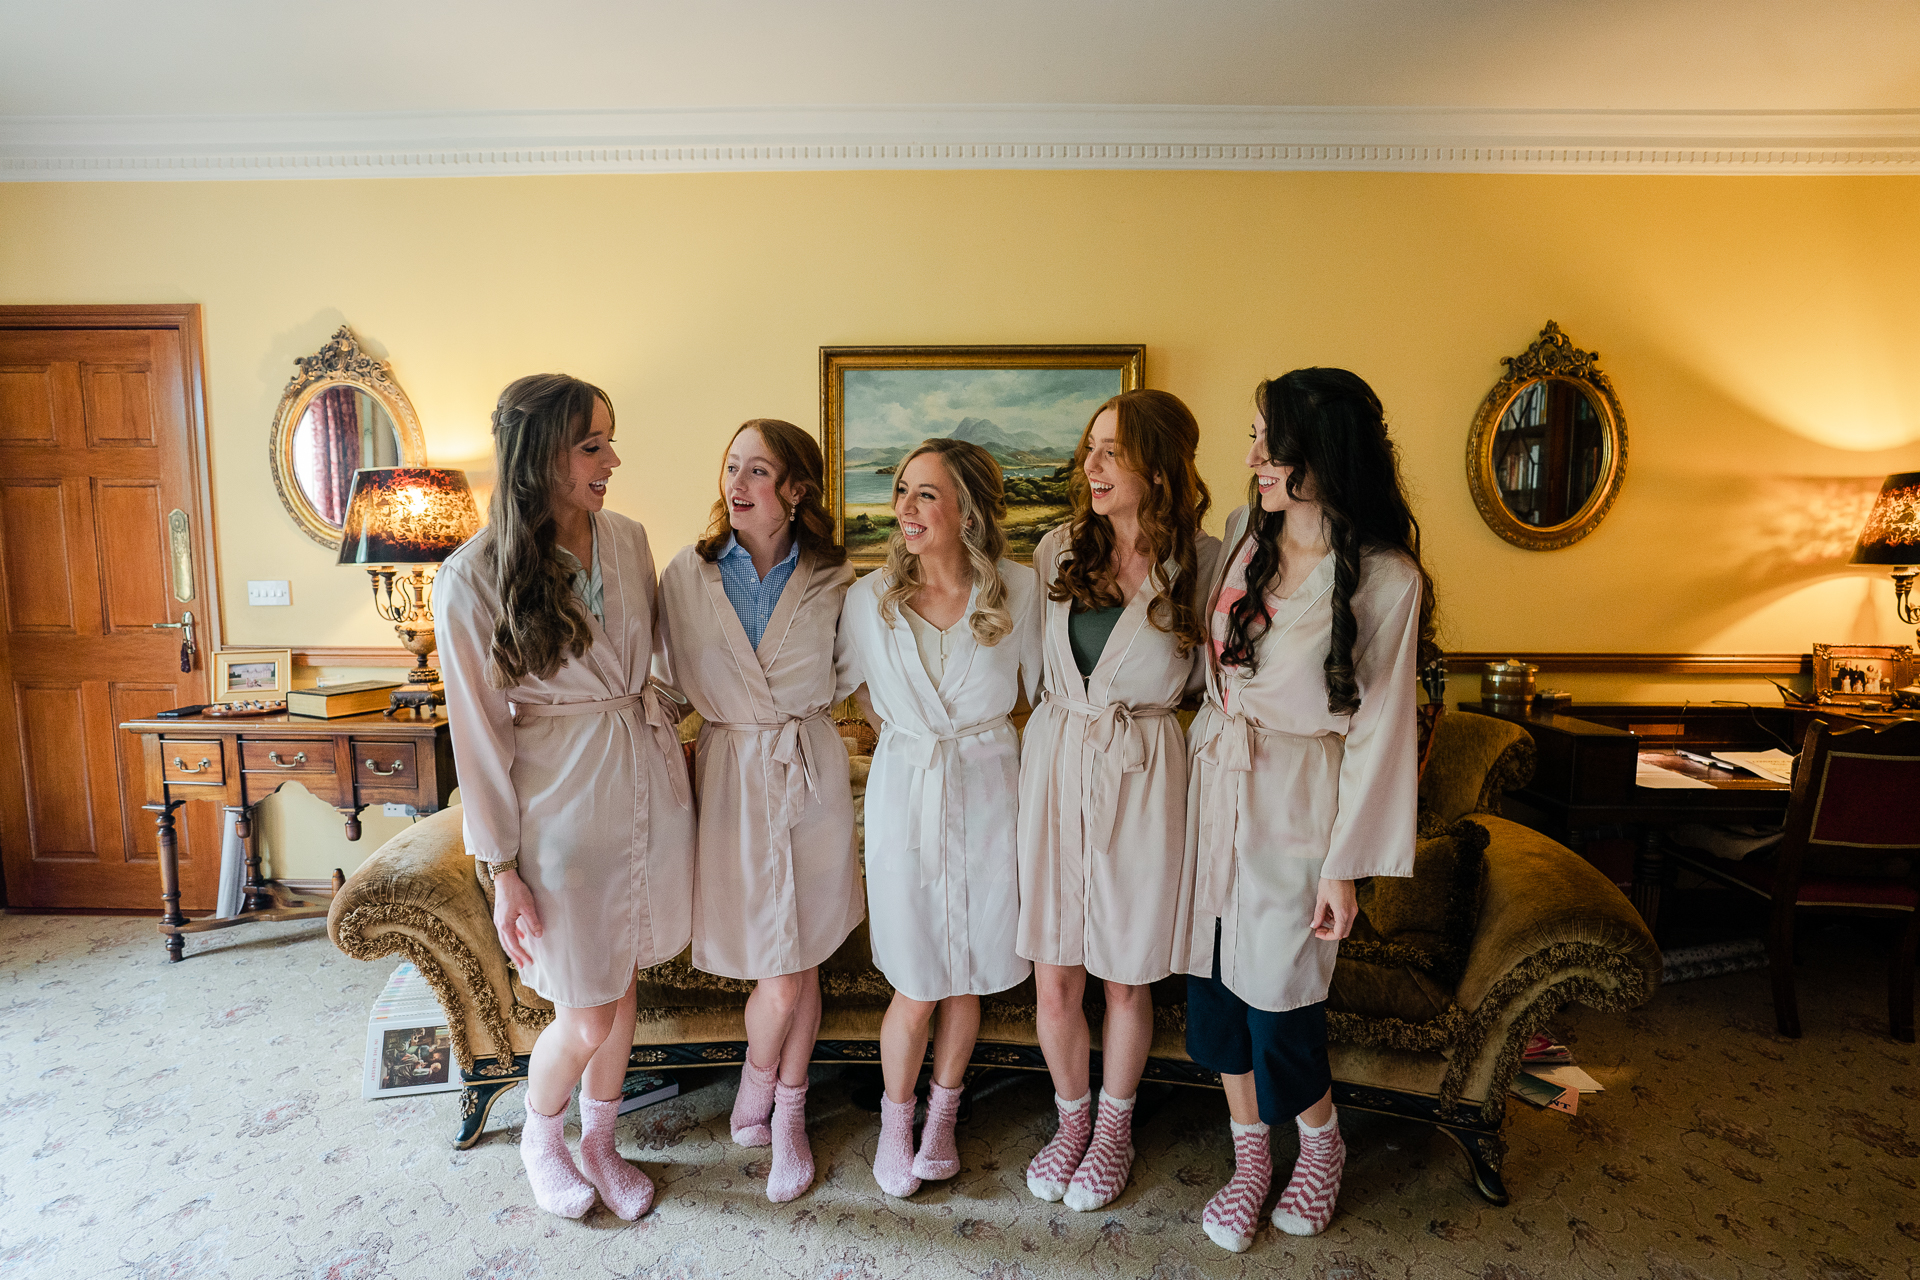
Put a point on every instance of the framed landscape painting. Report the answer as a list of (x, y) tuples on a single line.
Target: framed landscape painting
[(1027, 406)]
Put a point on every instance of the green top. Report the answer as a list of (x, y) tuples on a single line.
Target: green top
[(1087, 632)]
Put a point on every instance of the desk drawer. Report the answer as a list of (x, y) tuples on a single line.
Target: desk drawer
[(289, 756), (187, 763), (384, 766)]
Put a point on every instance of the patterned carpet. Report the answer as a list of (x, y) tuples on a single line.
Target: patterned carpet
[(203, 1120)]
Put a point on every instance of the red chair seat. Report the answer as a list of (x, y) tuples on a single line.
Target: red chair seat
[(1887, 895)]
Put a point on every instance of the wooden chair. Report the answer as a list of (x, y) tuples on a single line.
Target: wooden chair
[(1852, 847)]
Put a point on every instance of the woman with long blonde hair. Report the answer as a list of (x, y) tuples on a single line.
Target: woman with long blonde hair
[(1103, 771), (937, 646), (750, 612), (575, 789)]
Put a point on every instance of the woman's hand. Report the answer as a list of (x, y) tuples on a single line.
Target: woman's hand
[(514, 917), (1334, 909)]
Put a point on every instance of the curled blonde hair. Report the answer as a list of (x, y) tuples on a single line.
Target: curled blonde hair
[(982, 495)]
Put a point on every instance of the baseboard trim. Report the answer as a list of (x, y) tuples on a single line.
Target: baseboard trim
[(1649, 664)]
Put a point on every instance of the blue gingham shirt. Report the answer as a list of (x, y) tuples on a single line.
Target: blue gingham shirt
[(754, 598)]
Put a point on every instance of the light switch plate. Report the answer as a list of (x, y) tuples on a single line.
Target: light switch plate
[(269, 593)]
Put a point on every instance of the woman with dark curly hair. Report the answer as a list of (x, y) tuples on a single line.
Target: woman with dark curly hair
[(575, 788), (1103, 771), (1305, 772)]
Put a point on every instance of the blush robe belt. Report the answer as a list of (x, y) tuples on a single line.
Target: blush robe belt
[(929, 754), (1116, 734), (1228, 749), (654, 709), (790, 750)]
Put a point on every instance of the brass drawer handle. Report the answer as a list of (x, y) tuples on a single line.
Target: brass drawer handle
[(398, 765), (295, 763), (181, 765)]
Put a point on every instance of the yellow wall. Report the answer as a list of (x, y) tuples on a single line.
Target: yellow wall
[(1762, 334)]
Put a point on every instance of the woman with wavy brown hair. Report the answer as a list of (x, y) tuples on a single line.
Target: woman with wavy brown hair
[(1305, 772), (937, 646), (750, 612), (575, 790), (1103, 771)]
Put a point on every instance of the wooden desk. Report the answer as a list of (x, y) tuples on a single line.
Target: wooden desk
[(1584, 779), (350, 763)]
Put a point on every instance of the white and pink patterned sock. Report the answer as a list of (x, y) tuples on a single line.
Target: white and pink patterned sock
[(753, 1104), (1233, 1215), (939, 1156), (1306, 1206), (1102, 1175), (792, 1170), (624, 1189), (893, 1157), (555, 1178), (1049, 1172)]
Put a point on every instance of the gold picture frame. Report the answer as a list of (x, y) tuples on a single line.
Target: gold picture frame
[(1859, 674), (1027, 405), (251, 675)]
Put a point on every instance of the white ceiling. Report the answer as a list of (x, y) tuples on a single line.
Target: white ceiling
[(82, 81)]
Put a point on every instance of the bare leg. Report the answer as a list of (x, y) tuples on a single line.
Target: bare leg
[(953, 1039), (796, 1049), (1062, 1025), (1125, 1040), (903, 1045), (560, 1056), (1243, 1104), (624, 1189), (1317, 1115), (606, 1070), (770, 1015), (564, 1049)]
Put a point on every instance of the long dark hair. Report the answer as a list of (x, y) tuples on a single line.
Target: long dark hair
[(799, 461), (1329, 427), (537, 420), (1155, 435)]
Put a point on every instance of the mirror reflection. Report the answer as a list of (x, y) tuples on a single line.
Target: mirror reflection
[(1549, 452), (343, 429)]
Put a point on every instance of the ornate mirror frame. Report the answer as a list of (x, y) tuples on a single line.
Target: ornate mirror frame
[(1551, 357), (338, 363)]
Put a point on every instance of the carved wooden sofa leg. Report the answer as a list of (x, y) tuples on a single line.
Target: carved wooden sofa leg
[(1486, 1151)]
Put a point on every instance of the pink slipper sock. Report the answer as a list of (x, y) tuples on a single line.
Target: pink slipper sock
[(1049, 1172), (1306, 1206), (556, 1181), (1233, 1215), (893, 1158), (753, 1104), (1102, 1175), (792, 1157), (938, 1158), (623, 1188)]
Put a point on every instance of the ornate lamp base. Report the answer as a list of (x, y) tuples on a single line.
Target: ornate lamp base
[(422, 697)]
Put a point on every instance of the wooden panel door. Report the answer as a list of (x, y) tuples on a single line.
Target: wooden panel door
[(101, 444)]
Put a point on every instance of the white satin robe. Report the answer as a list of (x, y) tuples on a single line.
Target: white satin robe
[(943, 898), (1283, 792), (579, 775), (776, 884), (1103, 786)]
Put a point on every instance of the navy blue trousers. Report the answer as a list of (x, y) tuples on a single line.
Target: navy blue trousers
[(1287, 1052)]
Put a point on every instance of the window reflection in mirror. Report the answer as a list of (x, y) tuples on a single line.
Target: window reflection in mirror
[(1549, 452), (342, 430)]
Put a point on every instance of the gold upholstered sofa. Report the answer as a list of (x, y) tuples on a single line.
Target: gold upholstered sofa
[(1443, 981)]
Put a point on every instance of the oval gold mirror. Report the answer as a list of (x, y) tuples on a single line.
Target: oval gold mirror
[(341, 412), (1549, 446)]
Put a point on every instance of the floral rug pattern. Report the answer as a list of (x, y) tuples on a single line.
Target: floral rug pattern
[(203, 1121)]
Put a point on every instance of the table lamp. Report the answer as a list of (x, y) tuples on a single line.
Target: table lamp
[(407, 516), (1892, 537)]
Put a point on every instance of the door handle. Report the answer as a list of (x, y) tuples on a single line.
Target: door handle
[(187, 646)]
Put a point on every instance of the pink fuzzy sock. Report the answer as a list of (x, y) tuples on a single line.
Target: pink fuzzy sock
[(893, 1158), (556, 1181), (623, 1188), (752, 1104), (1233, 1215), (1306, 1206), (792, 1157), (938, 1157), (1102, 1175), (1049, 1172)]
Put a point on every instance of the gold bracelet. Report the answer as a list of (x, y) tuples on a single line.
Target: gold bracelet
[(510, 864)]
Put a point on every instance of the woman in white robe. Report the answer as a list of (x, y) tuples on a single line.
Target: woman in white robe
[(1103, 771), (1305, 772), (573, 785), (750, 612), (942, 639)]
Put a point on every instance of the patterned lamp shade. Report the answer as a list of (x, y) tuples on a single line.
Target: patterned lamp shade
[(1892, 535), (407, 515)]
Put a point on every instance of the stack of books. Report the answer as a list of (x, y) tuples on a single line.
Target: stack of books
[(1547, 1077), (409, 1049)]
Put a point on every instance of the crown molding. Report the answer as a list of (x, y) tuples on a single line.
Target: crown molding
[(716, 140)]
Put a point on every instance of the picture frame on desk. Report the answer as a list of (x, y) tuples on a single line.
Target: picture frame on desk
[(1858, 675), (251, 675)]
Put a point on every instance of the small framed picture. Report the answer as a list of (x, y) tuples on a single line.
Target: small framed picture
[(252, 675), (404, 1058), (1026, 406), (1852, 674)]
